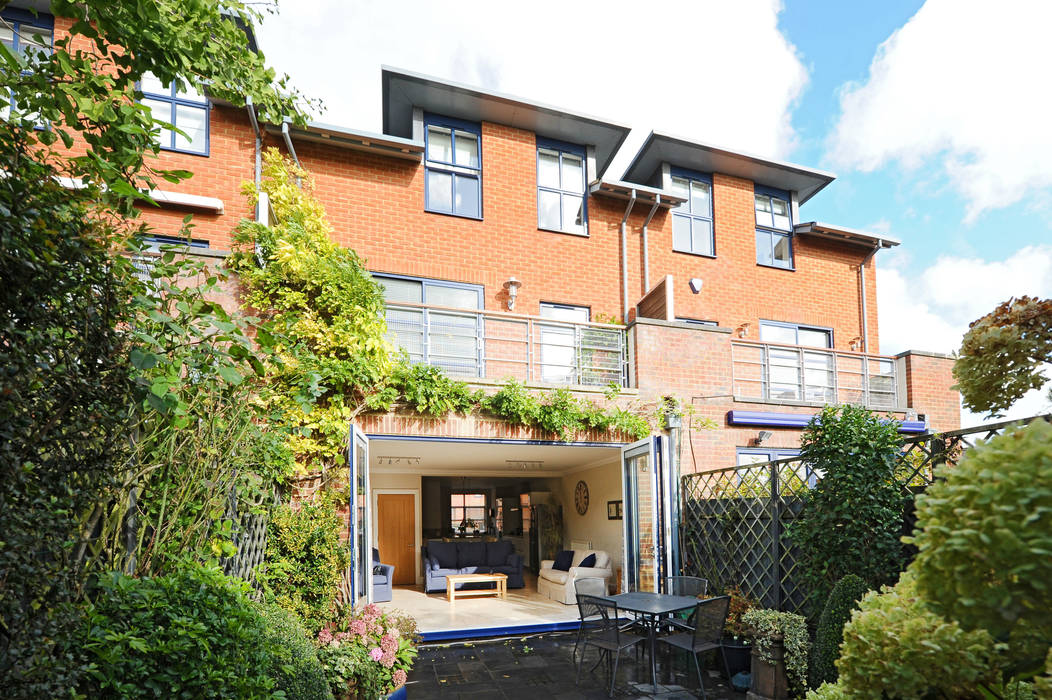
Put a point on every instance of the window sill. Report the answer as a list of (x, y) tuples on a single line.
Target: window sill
[(185, 151), (449, 213), (697, 255), (776, 267), (565, 233)]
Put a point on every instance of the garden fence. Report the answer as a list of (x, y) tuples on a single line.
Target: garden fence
[(733, 520)]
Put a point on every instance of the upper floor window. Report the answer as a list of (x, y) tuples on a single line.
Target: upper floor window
[(454, 167), (20, 32), (560, 344), (774, 228), (561, 202), (692, 220), (795, 334), (186, 110)]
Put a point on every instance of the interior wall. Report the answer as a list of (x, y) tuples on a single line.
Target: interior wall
[(604, 484)]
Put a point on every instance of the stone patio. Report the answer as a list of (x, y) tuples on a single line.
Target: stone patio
[(541, 668)]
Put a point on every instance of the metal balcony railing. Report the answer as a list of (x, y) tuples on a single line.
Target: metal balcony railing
[(816, 376), (492, 345)]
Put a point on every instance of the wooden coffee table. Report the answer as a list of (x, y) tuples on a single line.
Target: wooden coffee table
[(501, 589)]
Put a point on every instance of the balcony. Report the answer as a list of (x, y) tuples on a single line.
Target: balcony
[(490, 345), (812, 376)]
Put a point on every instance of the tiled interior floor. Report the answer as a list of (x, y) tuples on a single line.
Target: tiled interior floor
[(542, 668), (523, 606)]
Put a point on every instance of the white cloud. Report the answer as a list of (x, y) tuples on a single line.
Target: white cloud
[(715, 71), (962, 86), (931, 309)]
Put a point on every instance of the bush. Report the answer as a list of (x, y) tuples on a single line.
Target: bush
[(768, 625), (830, 633), (985, 544), (305, 559), (368, 653), (294, 666), (193, 633)]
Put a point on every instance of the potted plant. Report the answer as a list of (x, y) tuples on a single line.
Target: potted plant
[(780, 647), (367, 653), (736, 644)]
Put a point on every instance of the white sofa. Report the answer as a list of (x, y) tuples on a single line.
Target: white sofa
[(559, 585)]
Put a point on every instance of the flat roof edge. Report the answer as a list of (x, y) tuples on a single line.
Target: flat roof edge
[(845, 233)]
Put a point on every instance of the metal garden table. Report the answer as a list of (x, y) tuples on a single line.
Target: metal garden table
[(651, 608)]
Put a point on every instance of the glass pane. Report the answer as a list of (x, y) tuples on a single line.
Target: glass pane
[(548, 210), (7, 36), (405, 330), (191, 121), (458, 298), (782, 253), (570, 314), (680, 232), (573, 173), (150, 83), (558, 355), (474, 499), (467, 149), (163, 112), (439, 191), (548, 168), (681, 188), (814, 338), (439, 144), (35, 37), (699, 198), (781, 214), (763, 211), (785, 335), (467, 195), (753, 458), (402, 290), (763, 248), (701, 232), (573, 213), (189, 92)]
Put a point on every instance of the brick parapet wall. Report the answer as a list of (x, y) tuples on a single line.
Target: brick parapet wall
[(929, 377)]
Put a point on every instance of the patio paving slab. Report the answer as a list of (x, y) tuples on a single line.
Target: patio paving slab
[(541, 668)]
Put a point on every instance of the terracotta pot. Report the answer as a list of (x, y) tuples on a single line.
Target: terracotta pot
[(769, 680)]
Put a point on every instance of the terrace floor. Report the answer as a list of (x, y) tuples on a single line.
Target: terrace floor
[(541, 668)]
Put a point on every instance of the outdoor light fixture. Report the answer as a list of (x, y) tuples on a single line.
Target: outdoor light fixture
[(391, 461), (743, 330), (525, 464), (763, 436), (512, 285), (695, 284)]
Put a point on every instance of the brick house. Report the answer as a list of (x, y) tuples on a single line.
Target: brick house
[(507, 248)]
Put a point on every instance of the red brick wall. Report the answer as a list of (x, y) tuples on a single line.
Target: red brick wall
[(928, 380)]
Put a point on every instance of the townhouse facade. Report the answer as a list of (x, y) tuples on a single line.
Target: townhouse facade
[(508, 248)]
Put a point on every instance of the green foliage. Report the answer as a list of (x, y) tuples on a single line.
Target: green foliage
[(193, 633), (830, 632), (305, 559), (984, 543), (852, 520), (769, 626), (741, 603), (367, 653), (294, 664), (1003, 353), (427, 390)]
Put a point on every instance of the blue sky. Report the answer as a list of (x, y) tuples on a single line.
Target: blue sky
[(934, 114)]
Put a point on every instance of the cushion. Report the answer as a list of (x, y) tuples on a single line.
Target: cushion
[(555, 576), (588, 561), (378, 570), (470, 553), (443, 552), (563, 560), (498, 552), (376, 555), (379, 580)]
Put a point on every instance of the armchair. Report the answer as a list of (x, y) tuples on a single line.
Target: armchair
[(383, 579), (559, 585)]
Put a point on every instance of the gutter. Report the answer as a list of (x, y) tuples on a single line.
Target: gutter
[(646, 248), (624, 253)]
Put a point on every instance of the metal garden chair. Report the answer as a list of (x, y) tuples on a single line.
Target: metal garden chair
[(709, 617), (604, 633)]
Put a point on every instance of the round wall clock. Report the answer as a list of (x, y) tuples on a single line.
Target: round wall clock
[(580, 497)]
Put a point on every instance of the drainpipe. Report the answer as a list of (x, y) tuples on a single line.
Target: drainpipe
[(646, 248), (292, 149), (259, 141), (862, 283), (624, 252)]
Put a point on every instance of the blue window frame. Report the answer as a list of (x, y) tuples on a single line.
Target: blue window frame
[(186, 110), (774, 228), (561, 173), (692, 230), (757, 455), (453, 165), (21, 31)]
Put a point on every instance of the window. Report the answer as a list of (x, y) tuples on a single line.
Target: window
[(186, 110), (758, 455), (793, 334), (559, 346), (444, 338), (22, 31), (468, 511), (692, 220), (561, 202), (774, 246), (453, 167), (786, 366), (156, 244)]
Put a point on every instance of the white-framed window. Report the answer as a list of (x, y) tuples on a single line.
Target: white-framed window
[(186, 110), (774, 226), (561, 177), (692, 230), (453, 167), (468, 510)]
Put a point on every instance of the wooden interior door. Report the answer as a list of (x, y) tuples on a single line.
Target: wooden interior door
[(396, 534)]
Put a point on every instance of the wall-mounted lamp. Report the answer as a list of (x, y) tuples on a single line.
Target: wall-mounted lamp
[(763, 436), (695, 284), (512, 285), (743, 330), (856, 343)]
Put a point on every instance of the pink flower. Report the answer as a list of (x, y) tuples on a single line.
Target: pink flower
[(389, 644), (342, 636), (358, 627), (388, 659), (376, 653), (325, 636), (371, 610), (399, 678)]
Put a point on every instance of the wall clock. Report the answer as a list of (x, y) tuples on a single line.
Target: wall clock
[(580, 497)]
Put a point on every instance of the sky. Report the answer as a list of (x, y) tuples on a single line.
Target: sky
[(936, 116)]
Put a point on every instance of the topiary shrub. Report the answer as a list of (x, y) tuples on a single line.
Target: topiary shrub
[(830, 633), (294, 667), (194, 633)]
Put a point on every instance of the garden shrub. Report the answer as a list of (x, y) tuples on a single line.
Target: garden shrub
[(367, 653), (830, 632), (851, 521), (294, 666), (305, 559), (984, 543), (768, 625), (193, 633)]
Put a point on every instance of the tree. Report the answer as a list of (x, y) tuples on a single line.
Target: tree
[(1002, 354)]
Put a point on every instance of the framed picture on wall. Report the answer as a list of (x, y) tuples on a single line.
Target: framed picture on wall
[(614, 510)]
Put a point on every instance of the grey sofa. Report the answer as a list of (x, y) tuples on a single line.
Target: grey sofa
[(470, 557), (383, 579)]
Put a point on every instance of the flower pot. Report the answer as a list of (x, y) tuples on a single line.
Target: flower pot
[(400, 694), (735, 656), (769, 680)]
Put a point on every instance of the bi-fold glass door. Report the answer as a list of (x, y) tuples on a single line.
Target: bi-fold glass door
[(645, 515), (360, 517)]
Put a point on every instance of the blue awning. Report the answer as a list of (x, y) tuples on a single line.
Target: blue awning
[(773, 419)]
